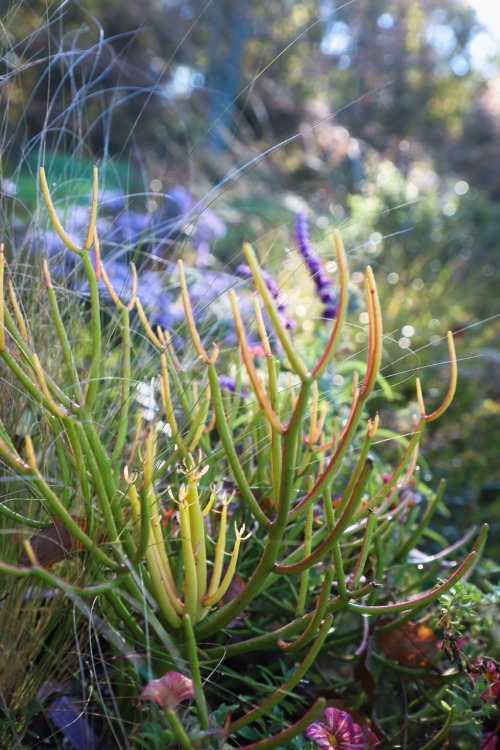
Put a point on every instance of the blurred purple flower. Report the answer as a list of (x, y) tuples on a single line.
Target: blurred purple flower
[(340, 732), (324, 284), (7, 186), (168, 691), (112, 200), (66, 714), (228, 383), (128, 228), (180, 214), (246, 273), (64, 710)]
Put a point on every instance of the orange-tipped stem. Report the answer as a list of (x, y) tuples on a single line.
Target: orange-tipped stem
[(342, 304), (188, 311), (91, 232), (21, 323), (54, 218), (2, 301), (250, 366), (453, 382), (375, 335)]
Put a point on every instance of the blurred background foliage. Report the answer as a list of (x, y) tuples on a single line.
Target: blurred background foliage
[(373, 115)]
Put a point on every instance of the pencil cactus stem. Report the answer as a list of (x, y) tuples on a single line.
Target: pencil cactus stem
[(293, 357), (340, 526), (97, 256), (166, 397), (231, 570), (67, 350), (262, 328), (30, 552), (2, 299), (58, 227), (188, 311), (189, 561), (342, 444), (373, 426), (342, 304), (421, 599), (288, 686), (197, 530), (93, 211), (145, 324), (21, 323), (453, 382), (166, 598), (40, 376), (318, 616), (304, 577), (371, 523), (220, 548), (30, 453), (250, 366), (313, 435), (213, 357), (149, 458), (375, 339), (231, 454), (420, 397), (54, 504), (112, 293)]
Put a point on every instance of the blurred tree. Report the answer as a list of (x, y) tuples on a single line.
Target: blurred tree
[(408, 61), (397, 69)]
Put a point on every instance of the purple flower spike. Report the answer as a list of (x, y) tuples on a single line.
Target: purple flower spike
[(168, 691), (340, 732), (322, 281), (246, 273), (330, 312)]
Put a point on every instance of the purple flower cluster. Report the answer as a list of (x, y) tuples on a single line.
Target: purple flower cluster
[(123, 230), (128, 234), (245, 272), (324, 284)]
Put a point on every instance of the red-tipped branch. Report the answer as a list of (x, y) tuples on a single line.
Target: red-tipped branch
[(250, 366), (342, 304)]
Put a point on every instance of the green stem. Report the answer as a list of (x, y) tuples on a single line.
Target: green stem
[(283, 738), (429, 596), (339, 571), (413, 539), (294, 359), (291, 441), (289, 684), (342, 305), (94, 372), (180, 733), (304, 578), (62, 336), (57, 508), (333, 465), (230, 450), (440, 736), (318, 615), (335, 534), (122, 428), (371, 523), (194, 669)]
